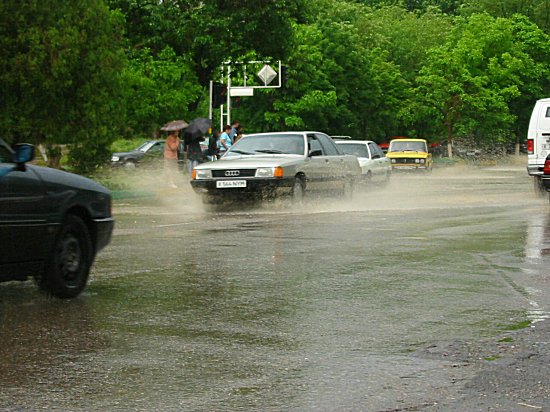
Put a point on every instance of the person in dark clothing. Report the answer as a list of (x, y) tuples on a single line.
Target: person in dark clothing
[(193, 150), (213, 146)]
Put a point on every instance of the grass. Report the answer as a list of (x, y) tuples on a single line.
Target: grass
[(517, 326), (126, 145)]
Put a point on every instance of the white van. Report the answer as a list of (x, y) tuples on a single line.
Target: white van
[(538, 141)]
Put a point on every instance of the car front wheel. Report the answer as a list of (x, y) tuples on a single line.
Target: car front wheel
[(67, 270), (298, 191), (130, 164), (347, 191)]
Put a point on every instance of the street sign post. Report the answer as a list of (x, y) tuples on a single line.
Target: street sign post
[(266, 74)]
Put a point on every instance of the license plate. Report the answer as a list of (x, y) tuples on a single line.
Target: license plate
[(405, 167), (225, 184)]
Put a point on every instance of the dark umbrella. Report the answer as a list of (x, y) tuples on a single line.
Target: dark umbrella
[(174, 125), (198, 127)]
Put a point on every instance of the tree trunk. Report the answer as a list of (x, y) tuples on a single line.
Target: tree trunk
[(450, 140)]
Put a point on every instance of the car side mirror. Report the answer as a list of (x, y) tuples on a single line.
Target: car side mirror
[(23, 153), (315, 153)]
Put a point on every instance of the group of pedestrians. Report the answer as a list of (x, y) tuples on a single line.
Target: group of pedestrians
[(229, 137), (191, 146)]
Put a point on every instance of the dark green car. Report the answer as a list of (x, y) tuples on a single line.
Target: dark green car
[(52, 223)]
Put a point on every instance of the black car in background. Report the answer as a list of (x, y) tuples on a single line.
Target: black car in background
[(150, 152), (52, 223)]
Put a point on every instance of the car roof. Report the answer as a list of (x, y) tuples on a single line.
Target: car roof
[(354, 141), (287, 132), (408, 140)]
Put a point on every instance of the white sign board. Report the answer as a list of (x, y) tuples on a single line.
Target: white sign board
[(241, 91)]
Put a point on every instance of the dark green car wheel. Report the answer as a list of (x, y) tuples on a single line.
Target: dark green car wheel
[(69, 265)]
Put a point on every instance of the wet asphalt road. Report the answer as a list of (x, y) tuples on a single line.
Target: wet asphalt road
[(332, 306)]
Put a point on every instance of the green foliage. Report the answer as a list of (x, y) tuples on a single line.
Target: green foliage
[(538, 11), (82, 73), (59, 75), (469, 82), (158, 90)]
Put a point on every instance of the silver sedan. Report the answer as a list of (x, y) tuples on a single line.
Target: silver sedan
[(375, 166), (272, 164)]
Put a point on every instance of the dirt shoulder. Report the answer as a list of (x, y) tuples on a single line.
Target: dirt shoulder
[(506, 374)]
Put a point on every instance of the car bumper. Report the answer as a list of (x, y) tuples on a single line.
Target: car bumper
[(103, 229), (409, 167), (535, 170), (254, 188)]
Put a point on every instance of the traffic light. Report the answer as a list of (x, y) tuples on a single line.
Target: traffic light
[(219, 94)]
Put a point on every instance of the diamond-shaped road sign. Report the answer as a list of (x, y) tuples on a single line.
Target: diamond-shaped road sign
[(267, 74)]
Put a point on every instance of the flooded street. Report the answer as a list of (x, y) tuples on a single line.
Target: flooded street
[(330, 306)]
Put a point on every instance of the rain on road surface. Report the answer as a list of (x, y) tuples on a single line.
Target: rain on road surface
[(326, 307)]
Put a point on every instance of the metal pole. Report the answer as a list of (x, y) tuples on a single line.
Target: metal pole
[(210, 99), (228, 94)]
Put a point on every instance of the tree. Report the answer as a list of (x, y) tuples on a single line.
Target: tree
[(470, 81), (158, 90), (405, 36), (337, 85), (59, 75), (210, 31), (538, 11)]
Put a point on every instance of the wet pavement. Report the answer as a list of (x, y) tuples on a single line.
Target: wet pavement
[(331, 306)]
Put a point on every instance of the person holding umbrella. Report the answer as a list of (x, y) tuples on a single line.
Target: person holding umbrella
[(171, 157), (193, 135), (193, 150), (171, 150)]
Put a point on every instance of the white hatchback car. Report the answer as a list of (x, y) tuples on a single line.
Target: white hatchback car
[(375, 166)]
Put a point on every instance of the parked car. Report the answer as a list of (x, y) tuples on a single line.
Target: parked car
[(410, 154), (52, 223), (273, 164), (375, 166), (152, 151)]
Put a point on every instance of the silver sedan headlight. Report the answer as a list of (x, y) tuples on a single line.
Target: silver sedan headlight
[(269, 172), (203, 174), (115, 158)]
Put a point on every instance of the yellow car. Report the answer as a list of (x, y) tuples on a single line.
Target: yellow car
[(411, 154)]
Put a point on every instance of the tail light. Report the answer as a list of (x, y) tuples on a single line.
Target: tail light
[(530, 146), (546, 169)]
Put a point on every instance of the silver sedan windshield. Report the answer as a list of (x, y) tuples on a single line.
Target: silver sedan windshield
[(270, 144)]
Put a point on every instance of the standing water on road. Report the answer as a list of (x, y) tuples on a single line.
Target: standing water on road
[(330, 306)]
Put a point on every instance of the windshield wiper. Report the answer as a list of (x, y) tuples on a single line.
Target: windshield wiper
[(240, 152), (270, 151)]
